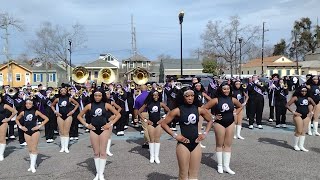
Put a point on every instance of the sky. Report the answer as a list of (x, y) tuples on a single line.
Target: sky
[(108, 23)]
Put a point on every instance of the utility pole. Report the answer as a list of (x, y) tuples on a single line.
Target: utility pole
[(262, 49), (235, 52), (296, 50), (70, 52)]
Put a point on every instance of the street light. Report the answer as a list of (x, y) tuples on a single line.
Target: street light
[(240, 42), (70, 51), (181, 14)]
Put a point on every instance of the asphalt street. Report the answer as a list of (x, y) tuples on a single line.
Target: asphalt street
[(264, 154)]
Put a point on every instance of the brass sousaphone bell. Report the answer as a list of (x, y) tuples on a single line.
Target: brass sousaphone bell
[(140, 76), (12, 91), (106, 75), (80, 74)]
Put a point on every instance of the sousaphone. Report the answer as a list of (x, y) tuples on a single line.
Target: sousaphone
[(80, 74), (106, 75), (140, 76)]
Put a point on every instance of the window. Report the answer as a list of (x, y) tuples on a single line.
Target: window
[(1, 77), (248, 72), (9, 77), (89, 75), (288, 72), (279, 72), (295, 71), (271, 72), (254, 72), (18, 77), (144, 64), (241, 72), (131, 65), (52, 78), (96, 74), (37, 77)]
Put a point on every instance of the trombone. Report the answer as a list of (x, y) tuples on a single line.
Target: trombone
[(34, 91), (56, 91), (132, 85), (121, 92), (51, 95), (244, 86), (149, 86), (137, 92), (159, 89)]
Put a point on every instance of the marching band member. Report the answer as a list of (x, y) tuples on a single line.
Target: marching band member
[(212, 89), (74, 129), (9, 100), (187, 150), (50, 125), (118, 108), (19, 103), (169, 91), (247, 106), (29, 116), (120, 99), (224, 125), (273, 83), (281, 94), (4, 108), (64, 116), (301, 116), (313, 86), (100, 128), (138, 103), (256, 101), (130, 101), (239, 92), (153, 105)]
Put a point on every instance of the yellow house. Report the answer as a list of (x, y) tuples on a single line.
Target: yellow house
[(17, 76), (271, 65)]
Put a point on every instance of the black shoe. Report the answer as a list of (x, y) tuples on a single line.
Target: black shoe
[(145, 146)]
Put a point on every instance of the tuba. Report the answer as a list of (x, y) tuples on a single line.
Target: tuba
[(140, 76), (80, 74), (106, 75)]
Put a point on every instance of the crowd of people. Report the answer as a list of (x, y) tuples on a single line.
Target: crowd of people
[(101, 109)]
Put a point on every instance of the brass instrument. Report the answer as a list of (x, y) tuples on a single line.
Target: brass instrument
[(56, 91), (76, 96), (120, 91), (132, 85), (149, 87), (159, 89), (2, 93), (260, 84), (285, 86), (80, 74), (137, 92), (244, 86), (106, 75), (140, 76), (51, 95), (12, 91), (34, 91), (178, 85)]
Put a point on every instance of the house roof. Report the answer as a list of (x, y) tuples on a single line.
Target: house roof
[(137, 57), (100, 63), (267, 61), (186, 64), (41, 67), (13, 62), (310, 64)]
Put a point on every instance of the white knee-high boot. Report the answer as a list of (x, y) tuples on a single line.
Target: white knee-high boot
[(295, 145), (156, 152), (219, 161), (201, 145), (301, 144), (235, 132), (309, 129), (108, 148), (102, 165), (315, 129), (66, 144), (151, 149), (238, 132), (97, 164), (2, 148), (33, 160), (62, 144), (226, 162)]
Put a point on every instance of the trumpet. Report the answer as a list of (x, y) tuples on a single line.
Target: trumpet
[(76, 96), (284, 86), (159, 89), (121, 92), (149, 87), (51, 95), (260, 83), (132, 85), (56, 91), (244, 86), (34, 91), (12, 91), (2, 93), (137, 92)]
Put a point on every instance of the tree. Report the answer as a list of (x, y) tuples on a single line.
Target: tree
[(222, 40), (210, 65), (52, 43), (280, 48), (305, 38)]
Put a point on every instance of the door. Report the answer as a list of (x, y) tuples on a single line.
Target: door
[(27, 79)]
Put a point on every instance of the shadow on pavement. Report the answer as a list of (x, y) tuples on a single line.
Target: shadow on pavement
[(208, 160), (160, 176), (89, 164), (9, 150), (138, 149), (317, 150), (277, 142), (40, 158)]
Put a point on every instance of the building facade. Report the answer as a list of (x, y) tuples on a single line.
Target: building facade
[(14, 74)]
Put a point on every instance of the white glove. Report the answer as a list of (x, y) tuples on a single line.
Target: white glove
[(256, 81)]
